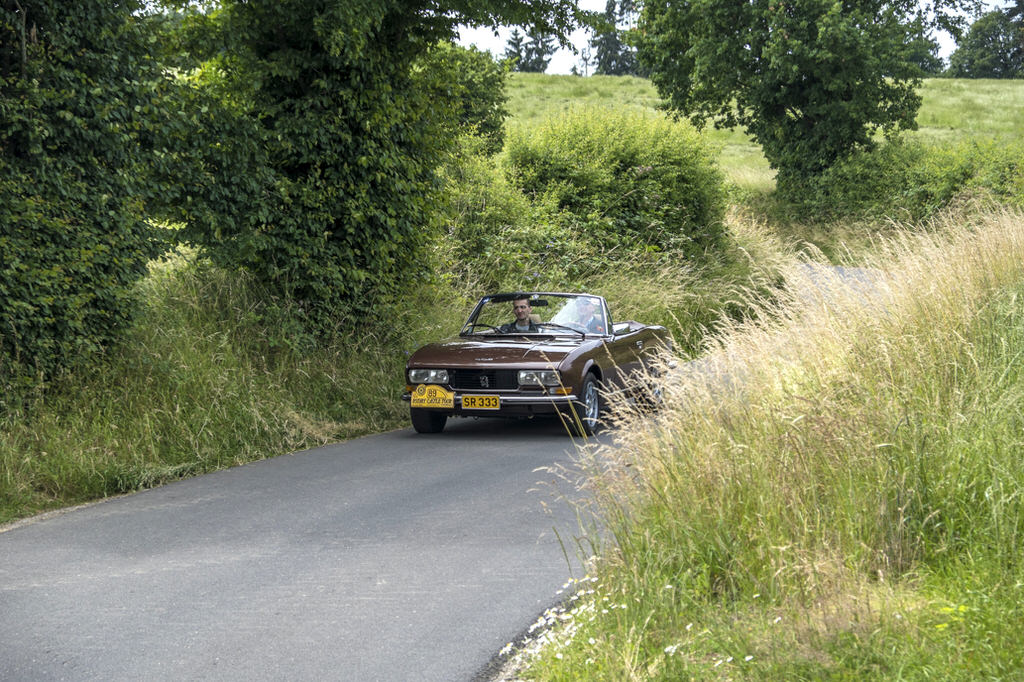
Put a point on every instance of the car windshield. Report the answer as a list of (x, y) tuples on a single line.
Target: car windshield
[(559, 314)]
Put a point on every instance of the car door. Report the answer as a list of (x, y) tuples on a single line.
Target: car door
[(626, 349)]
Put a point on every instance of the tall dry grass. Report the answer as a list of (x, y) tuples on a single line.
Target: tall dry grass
[(849, 466)]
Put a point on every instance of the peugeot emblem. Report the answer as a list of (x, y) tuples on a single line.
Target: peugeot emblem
[(485, 381)]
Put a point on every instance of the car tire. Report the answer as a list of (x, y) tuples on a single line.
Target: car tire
[(427, 421), (585, 417), (650, 397)]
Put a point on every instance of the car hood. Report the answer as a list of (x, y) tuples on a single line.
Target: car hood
[(463, 352)]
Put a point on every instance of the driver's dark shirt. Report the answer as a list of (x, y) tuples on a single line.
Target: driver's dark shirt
[(510, 328)]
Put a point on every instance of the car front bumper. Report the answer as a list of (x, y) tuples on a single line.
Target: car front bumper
[(511, 405)]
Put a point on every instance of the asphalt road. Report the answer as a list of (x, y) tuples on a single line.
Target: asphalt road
[(391, 557)]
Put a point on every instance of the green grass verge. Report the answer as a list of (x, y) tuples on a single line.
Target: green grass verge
[(202, 383)]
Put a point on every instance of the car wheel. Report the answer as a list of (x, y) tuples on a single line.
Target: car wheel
[(585, 419), (650, 397), (427, 421)]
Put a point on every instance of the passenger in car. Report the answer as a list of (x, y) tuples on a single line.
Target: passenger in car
[(589, 316)]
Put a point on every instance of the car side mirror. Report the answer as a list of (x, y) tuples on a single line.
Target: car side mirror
[(620, 328)]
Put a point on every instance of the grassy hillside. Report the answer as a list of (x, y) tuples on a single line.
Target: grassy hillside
[(952, 110), (533, 97), (955, 108)]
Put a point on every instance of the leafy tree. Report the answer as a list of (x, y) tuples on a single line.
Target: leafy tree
[(1015, 12), (475, 84), (923, 52), (75, 82), (991, 49), (533, 53), (613, 56), (810, 80), (308, 149)]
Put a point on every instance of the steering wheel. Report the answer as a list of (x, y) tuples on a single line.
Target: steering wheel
[(473, 326)]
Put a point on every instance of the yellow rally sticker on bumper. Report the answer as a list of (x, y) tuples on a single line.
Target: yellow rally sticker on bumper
[(433, 397)]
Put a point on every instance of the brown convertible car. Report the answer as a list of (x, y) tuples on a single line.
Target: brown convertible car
[(526, 354)]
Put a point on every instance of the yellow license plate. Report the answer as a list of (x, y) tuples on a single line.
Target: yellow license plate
[(481, 402), (433, 397)]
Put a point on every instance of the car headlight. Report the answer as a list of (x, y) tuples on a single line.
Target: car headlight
[(428, 376), (539, 377)]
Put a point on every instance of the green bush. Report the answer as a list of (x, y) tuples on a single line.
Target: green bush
[(495, 237), (627, 179), (913, 180), (73, 240)]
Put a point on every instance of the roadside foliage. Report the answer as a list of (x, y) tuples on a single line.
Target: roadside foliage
[(577, 194), (76, 81), (293, 140)]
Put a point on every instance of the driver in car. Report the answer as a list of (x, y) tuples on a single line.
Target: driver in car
[(522, 324)]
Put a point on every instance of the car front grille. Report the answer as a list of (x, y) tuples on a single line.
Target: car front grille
[(484, 379)]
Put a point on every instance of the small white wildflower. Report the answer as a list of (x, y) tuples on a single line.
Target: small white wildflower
[(671, 649), (749, 658), (729, 660), (757, 595), (505, 649), (718, 663), (777, 619), (669, 587), (558, 656), (689, 626), (592, 641)]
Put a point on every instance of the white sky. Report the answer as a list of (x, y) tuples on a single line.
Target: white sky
[(563, 60)]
